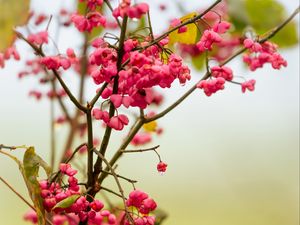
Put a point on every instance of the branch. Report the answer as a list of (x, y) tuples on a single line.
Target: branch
[(39, 52), (142, 121), (107, 133), (118, 183), (122, 177), (67, 161), (111, 191), (141, 150), (111, 9), (17, 193), (97, 96), (60, 101), (11, 147), (275, 30), (22, 198), (83, 68), (207, 75), (192, 20), (90, 146), (123, 146)]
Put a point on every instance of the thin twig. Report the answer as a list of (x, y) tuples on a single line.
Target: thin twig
[(67, 161), (122, 177), (117, 181), (207, 75), (17, 193), (111, 9), (90, 146), (21, 197), (141, 150), (107, 133), (192, 20), (111, 191), (97, 96), (11, 147), (65, 87), (52, 134), (140, 123)]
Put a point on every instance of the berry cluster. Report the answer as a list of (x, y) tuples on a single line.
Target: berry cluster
[(144, 205), (260, 54), (135, 11), (82, 209)]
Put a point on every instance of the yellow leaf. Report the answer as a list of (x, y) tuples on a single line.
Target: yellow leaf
[(150, 127), (12, 13), (188, 37)]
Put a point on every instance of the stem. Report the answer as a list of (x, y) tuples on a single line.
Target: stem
[(111, 9), (104, 144), (65, 87), (90, 146), (59, 99), (150, 26), (111, 191), (52, 125), (207, 75), (140, 123), (117, 181), (192, 20), (17, 193), (97, 96), (123, 146), (122, 177), (67, 161), (83, 68), (275, 30), (141, 150)]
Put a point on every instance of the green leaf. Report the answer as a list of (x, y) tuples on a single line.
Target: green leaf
[(263, 15), (29, 170), (12, 13), (31, 163), (95, 33), (81, 7), (198, 61), (160, 216), (67, 202)]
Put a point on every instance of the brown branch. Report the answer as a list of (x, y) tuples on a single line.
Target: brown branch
[(11, 147), (67, 161), (141, 150), (107, 133), (22, 198), (97, 96), (90, 146), (123, 146), (122, 177), (39, 52), (17, 193), (117, 182), (207, 75), (140, 123), (192, 20), (111, 191), (111, 9), (52, 135), (83, 68)]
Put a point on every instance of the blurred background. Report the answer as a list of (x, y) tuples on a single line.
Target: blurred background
[(233, 158)]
